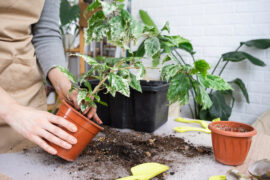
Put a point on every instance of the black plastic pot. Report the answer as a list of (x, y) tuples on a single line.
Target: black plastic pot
[(144, 111)]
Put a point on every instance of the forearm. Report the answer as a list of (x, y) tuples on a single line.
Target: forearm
[(7, 104), (60, 82)]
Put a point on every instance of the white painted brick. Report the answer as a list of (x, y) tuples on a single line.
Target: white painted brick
[(259, 87), (239, 107), (219, 30), (267, 77), (255, 98), (256, 109), (266, 100)]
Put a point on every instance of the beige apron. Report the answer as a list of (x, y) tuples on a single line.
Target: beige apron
[(20, 75)]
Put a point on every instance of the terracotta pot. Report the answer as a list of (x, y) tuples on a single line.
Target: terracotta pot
[(231, 148), (87, 130)]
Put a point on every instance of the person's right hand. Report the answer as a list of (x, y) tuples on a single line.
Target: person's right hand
[(38, 126)]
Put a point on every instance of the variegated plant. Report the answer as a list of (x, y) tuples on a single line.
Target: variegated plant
[(112, 22)]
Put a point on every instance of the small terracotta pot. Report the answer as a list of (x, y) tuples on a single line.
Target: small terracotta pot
[(231, 148), (87, 130)]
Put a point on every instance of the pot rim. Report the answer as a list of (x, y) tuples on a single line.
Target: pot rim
[(82, 116), (251, 133)]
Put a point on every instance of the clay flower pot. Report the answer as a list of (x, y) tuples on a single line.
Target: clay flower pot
[(87, 130), (231, 141)]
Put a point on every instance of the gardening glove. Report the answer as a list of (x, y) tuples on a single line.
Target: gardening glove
[(62, 85)]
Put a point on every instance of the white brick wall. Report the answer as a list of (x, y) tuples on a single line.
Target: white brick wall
[(215, 27)]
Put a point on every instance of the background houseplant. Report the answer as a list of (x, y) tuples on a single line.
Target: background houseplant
[(222, 99), (69, 17), (222, 108), (185, 79)]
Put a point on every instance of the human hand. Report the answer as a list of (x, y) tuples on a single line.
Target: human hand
[(62, 85), (39, 126)]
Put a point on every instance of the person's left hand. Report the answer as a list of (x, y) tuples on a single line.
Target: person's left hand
[(62, 85)]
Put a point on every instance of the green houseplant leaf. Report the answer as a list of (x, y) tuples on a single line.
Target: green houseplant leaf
[(242, 87), (151, 46), (201, 95), (202, 66), (236, 56), (179, 89), (68, 13), (214, 82), (219, 109), (148, 20), (258, 43), (166, 27), (67, 73)]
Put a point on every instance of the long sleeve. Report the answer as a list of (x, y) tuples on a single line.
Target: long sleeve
[(47, 39)]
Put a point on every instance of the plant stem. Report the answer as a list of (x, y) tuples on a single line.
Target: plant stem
[(195, 105), (96, 89), (191, 111), (228, 61), (178, 54), (216, 65), (176, 59)]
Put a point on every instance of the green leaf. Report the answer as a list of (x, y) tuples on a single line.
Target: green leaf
[(258, 43), (140, 51), (202, 66), (166, 27), (172, 42), (134, 83), (119, 84), (117, 31), (166, 59), (68, 13), (108, 8), (94, 22), (103, 103), (147, 20), (179, 89), (156, 59), (88, 85), (82, 94), (89, 60), (94, 5), (219, 109), (202, 97), (136, 29), (67, 73), (237, 56), (169, 71), (214, 82), (84, 107), (242, 86), (151, 46), (141, 71)]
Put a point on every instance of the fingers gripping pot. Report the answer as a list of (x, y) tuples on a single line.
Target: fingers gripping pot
[(87, 130)]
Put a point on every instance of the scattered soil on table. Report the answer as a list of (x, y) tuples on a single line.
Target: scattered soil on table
[(115, 152), (231, 129)]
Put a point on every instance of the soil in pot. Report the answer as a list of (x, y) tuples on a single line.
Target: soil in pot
[(231, 141), (224, 127), (113, 153)]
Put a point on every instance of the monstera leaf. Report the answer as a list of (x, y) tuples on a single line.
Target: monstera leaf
[(68, 13)]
